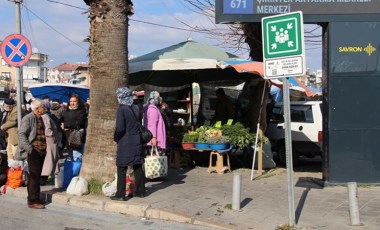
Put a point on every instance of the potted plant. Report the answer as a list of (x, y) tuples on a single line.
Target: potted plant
[(188, 140), (218, 142)]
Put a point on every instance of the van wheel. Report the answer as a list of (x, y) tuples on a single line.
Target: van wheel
[(281, 156)]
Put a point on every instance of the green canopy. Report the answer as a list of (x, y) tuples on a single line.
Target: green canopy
[(183, 64)]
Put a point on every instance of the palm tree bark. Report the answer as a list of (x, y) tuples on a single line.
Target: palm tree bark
[(108, 70)]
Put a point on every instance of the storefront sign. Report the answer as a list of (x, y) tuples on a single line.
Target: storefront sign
[(313, 10), (352, 53)]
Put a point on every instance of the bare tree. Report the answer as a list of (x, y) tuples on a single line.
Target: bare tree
[(234, 37), (108, 70), (238, 34)]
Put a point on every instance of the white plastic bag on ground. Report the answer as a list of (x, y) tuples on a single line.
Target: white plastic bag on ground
[(109, 188), (78, 186), (58, 180), (15, 164)]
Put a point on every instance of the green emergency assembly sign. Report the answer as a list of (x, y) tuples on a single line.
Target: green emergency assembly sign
[(283, 45), (282, 35)]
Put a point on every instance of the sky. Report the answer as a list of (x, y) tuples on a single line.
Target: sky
[(58, 27)]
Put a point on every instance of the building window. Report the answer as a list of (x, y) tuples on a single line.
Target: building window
[(5, 75)]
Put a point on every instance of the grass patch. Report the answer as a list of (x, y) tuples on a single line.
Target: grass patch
[(365, 186), (286, 227), (95, 187), (266, 175), (228, 206)]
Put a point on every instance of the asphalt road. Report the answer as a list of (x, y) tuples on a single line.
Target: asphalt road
[(15, 215)]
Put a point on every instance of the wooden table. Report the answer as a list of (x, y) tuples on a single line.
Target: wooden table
[(219, 161)]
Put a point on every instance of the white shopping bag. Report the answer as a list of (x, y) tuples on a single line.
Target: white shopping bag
[(110, 188), (78, 186), (155, 165)]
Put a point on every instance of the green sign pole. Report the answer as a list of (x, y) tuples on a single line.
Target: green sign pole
[(284, 56)]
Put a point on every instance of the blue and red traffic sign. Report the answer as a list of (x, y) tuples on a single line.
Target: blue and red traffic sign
[(16, 50)]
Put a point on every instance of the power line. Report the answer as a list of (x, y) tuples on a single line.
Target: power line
[(67, 5), (177, 28), (35, 43), (171, 27), (150, 23), (51, 27)]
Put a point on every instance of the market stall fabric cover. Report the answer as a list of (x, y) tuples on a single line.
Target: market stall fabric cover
[(60, 91), (258, 68), (183, 64)]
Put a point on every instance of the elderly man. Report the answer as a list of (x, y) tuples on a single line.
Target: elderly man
[(32, 146), (9, 125)]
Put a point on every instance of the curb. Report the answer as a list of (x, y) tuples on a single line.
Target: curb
[(129, 208)]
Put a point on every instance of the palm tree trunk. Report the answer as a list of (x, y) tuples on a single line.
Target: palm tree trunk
[(108, 70)]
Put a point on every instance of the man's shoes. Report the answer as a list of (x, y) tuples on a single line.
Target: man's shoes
[(40, 202), (118, 198), (36, 206)]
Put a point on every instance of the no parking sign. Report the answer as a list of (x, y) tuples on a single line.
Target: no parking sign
[(16, 50)]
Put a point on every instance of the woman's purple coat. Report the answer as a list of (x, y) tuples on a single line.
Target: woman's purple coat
[(155, 123)]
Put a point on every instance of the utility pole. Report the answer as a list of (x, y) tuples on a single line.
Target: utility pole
[(45, 67), (18, 68)]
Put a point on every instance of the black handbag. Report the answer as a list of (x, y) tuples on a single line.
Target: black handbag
[(145, 134), (76, 138)]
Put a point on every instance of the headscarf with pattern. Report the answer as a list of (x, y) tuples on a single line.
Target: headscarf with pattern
[(124, 96), (154, 98)]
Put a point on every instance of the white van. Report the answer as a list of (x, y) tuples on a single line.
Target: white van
[(306, 126)]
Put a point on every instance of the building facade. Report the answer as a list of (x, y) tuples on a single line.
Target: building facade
[(70, 73)]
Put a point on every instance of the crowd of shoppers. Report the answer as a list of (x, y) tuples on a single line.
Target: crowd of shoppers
[(40, 139), (45, 131)]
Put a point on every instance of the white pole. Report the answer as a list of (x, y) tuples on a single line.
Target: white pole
[(289, 155), (353, 200), (19, 79), (255, 150), (236, 192)]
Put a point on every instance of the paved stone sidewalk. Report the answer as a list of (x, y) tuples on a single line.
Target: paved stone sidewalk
[(197, 197)]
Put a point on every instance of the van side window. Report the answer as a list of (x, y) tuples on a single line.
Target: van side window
[(301, 114), (276, 115)]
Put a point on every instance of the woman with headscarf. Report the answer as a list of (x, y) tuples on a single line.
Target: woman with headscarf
[(154, 121), (129, 146)]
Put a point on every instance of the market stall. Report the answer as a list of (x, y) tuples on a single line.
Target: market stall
[(173, 71)]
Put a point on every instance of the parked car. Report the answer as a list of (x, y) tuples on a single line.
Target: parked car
[(306, 129)]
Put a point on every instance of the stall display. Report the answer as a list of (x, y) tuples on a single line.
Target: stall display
[(183, 113)]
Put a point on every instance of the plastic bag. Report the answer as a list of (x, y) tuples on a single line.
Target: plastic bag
[(130, 185), (155, 166), (78, 186), (14, 177), (58, 180), (110, 188), (70, 170)]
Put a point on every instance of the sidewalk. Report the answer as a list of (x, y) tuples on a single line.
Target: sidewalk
[(197, 197)]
